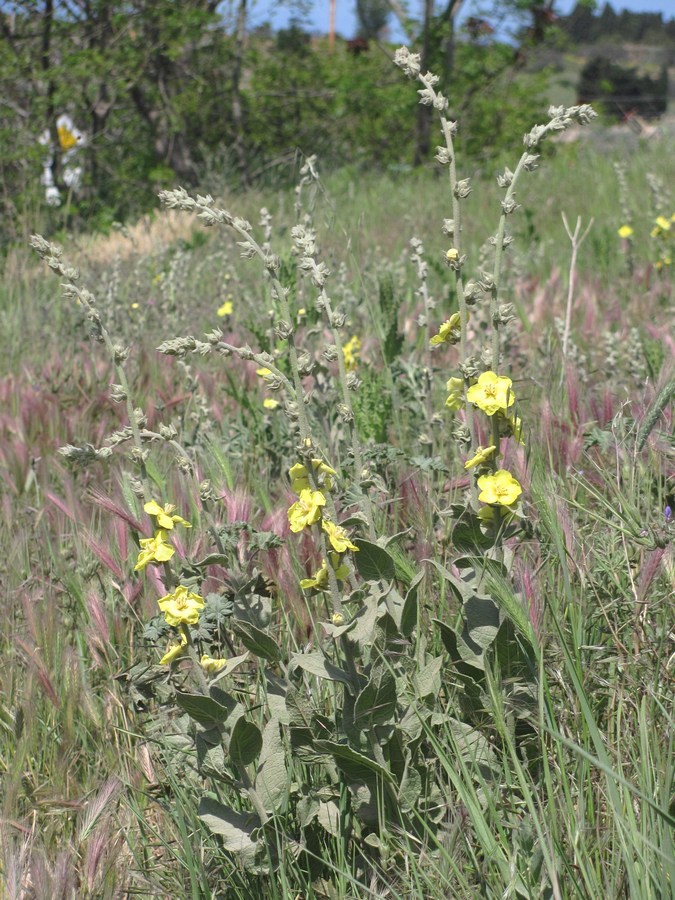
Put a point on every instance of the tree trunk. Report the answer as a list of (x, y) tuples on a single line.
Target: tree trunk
[(237, 109), (424, 113)]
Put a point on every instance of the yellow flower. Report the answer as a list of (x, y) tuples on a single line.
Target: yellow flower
[(135, 305), (302, 311), (306, 510), (300, 477), (174, 651), (337, 619), (452, 254), (67, 139), (163, 514), (350, 352), (338, 537), (449, 331), (225, 309), (625, 231), (663, 223), (491, 393), (182, 607), (263, 372), (487, 514), (211, 665), (501, 488), (269, 403), (319, 579), (154, 549), (455, 399), (480, 457)]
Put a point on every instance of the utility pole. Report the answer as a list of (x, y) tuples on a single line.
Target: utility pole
[(331, 26)]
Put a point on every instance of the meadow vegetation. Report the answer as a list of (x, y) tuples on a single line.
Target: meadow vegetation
[(337, 537)]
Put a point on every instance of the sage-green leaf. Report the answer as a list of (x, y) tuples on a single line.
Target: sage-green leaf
[(355, 765), (328, 816), (482, 619), (373, 562), (245, 742), (204, 710), (411, 788), (271, 779), (459, 658), (257, 641), (229, 667), (428, 680), (234, 828), (316, 664), (376, 703), (409, 611)]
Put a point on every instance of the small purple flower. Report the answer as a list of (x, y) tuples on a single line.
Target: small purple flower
[(668, 514)]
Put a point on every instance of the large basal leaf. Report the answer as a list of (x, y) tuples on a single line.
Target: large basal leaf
[(428, 680), (257, 641), (411, 787), (235, 829), (233, 663), (328, 816), (462, 590), (373, 563), (376, 703), (271, 779), (482, 618), (204, 710), (245, 742), (459, 658), (316, 664), (403, 610), (355, 765)]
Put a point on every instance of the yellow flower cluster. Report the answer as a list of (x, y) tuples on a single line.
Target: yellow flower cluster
[(449, 332), (67, 139), (156, 549), (350, 352), (300, 476), (308, 510), (493, 394), (664, 233)]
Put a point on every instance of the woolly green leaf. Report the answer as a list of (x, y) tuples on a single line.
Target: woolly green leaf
[(257, 641), (204, 710), (316, 664), (235, 829), (245, 743), (354, 765), (376, 703), (271, 780), (428, 680), (373, 562)]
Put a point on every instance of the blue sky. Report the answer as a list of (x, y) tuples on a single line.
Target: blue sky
[(278, 13)]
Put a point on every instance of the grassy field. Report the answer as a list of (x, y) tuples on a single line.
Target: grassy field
[(512, 729)]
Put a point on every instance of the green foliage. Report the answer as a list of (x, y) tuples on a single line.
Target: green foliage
[(468, 723), (621, 90), (373, 405)]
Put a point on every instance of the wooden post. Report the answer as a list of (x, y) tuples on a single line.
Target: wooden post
[(331, 26)]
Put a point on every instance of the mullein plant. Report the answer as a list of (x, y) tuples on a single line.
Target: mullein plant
[(334, 744), (480, 393)]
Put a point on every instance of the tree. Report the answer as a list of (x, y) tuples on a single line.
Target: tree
[(372, 17)]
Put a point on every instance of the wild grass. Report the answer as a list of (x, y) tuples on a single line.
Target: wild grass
[(565, 792)]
